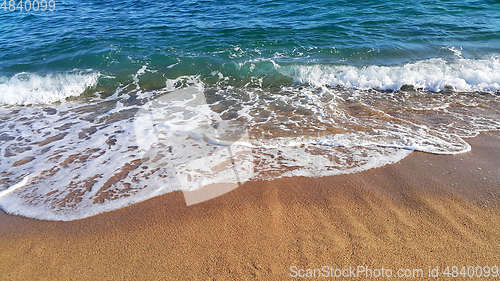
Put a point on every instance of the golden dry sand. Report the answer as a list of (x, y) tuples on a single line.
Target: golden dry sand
[(425, 211)]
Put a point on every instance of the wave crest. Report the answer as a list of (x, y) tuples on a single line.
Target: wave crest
[(463, 75), (28, 88)]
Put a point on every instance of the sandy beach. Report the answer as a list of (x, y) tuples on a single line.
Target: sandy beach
[(249, 140), (426, 211)]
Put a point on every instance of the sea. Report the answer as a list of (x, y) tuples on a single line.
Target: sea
[(104, 104)]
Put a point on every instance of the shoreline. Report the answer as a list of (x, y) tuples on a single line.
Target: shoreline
[(423, 211)]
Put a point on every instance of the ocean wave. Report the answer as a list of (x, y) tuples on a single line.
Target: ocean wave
[(100, 155), (437, 74), (29, 88)]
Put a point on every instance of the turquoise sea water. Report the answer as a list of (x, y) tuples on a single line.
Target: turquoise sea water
[(93, 93), (119, 37)]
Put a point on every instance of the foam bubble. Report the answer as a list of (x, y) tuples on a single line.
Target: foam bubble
[(29, 88)]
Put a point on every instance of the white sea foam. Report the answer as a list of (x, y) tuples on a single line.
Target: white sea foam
[(29, 88), (466, 75), (14, 187), (71, 160), (79, 150)]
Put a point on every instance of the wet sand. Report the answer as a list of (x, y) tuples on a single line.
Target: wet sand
[(425, 211)]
